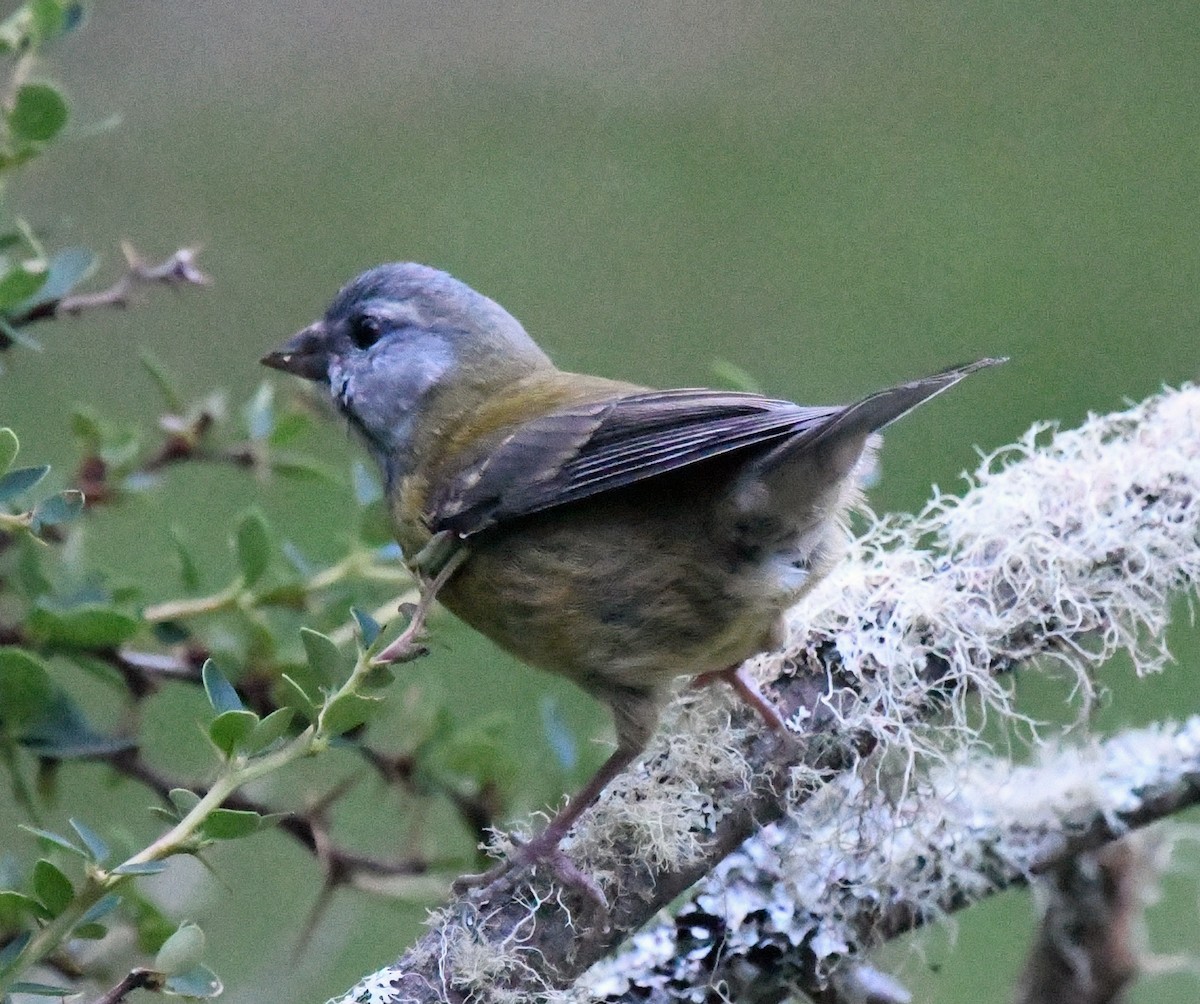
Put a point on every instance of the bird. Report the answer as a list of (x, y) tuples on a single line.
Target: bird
[(614, 534)]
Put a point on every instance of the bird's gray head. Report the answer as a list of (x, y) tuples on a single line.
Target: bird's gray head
[(397, 338)]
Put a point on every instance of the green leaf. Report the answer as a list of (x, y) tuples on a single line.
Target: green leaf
[(96, 846), (368, 626), (85, 626), (38, 114), (289, 428), (230, 729), (9, 447), (199, 982), (141, 868), (101, 909), (20, 480), (347, 711), (377, 677), (252, 542), (375, 524), (270, 729), (52, 887), (64, 732), (48, 17), (189, 572), (91, 932), (88, 427), (26, 689), (184, 799), (40, 989), (297, 698), (230, 824), (301, 468), (221, 694), (181, 951), (67, 269), (163, 381), (16, 908), (324, 658), (56, 510), (50, 840), (21, 281)]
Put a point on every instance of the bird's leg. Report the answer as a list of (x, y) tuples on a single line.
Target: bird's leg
[(441, 557), (636, 716), (747, 689), (544, 847)]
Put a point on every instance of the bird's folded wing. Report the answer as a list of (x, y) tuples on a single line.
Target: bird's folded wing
[(580, 451)]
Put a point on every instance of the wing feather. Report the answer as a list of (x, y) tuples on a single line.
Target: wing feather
[(577, 452)]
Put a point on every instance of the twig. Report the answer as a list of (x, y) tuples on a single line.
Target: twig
[(180, 269), (135, 979), (1087, 948)]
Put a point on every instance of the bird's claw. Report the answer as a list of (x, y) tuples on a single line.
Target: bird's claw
[(535, 853), (406, 647)]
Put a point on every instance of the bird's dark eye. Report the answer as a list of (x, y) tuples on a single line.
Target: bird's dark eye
[(365, 330)]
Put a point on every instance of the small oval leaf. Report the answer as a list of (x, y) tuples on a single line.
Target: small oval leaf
[(230, 729), (181, 951), (38, 113), (252, 542), (230, 824), (84, 626), (21, 282), (52, 887), (16, 908), (270, 729), (324, 658), (200, 982), (20, 480), (221, 694), (95, 844), (347, 711), (184, 799), (368, 626), (57, 509)]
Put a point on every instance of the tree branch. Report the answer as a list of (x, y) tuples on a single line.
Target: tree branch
[(180, 269), (1068, 547), (797, 906)]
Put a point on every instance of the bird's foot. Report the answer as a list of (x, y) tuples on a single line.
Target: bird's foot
[(445, 553), (536, 852)]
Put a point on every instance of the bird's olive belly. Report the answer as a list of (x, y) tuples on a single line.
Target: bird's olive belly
[(613, 594)]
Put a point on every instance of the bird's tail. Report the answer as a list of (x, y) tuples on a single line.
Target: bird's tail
[(808, 478), (882, 408)]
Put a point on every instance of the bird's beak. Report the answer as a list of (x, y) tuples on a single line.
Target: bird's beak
[(306, 354)]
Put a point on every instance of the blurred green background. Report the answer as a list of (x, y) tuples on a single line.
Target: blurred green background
[(831, 196)]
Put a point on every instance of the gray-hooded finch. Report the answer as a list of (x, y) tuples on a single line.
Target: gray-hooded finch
[(617, 535)]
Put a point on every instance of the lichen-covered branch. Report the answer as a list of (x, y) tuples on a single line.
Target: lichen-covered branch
[(1067, 545), (796, 907)]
